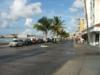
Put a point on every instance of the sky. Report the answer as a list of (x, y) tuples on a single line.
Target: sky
[(18, 16)]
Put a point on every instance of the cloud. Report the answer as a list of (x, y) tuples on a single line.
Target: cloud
[(3, 20), (76, 10), (28, 23), (28, 31), (20, 9), (3, 24), (76, 6), (72, 25), (72, 9)]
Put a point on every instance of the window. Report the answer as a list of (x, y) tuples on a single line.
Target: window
[(97, 37)]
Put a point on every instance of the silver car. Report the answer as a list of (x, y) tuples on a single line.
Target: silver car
[(16, 43)]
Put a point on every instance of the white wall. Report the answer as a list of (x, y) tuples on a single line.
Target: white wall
[(96, 12), (22, 36), (88, 11)]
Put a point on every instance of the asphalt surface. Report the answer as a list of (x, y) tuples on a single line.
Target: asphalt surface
[(87, 61), (35, 60)]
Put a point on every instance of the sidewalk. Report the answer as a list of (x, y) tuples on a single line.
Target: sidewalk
[(84, 64), (86, 49)]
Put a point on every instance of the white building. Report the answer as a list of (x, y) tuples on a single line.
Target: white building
[(25, 36), (93, 11), (93, 14)]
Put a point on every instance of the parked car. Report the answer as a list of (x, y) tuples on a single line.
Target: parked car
[(27, 42), (34, 41), (40, 41), (49, 40), (16, 43)]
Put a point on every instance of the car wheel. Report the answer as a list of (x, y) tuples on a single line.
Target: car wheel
[(16, 45), (10, 46)]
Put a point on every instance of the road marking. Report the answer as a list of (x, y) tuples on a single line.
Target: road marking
[(43, 46)]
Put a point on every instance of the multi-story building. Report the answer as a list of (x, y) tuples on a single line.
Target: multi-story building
[(81, 25), (93, 18)]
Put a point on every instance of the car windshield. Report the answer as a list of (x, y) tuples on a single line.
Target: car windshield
[(15, 40)]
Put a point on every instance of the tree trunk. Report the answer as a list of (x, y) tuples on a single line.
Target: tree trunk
[(45, 36)]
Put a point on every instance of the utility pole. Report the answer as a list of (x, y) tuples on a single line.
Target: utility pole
[(86, 16)]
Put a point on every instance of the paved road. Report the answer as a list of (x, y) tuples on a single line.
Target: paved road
[(35, 60)]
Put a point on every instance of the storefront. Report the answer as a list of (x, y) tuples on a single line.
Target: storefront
[(94, 33)]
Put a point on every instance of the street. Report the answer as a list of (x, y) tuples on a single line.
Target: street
[(35, 60), (49, 37)]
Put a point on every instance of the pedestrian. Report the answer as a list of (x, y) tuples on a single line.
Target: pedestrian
[(81, 40)]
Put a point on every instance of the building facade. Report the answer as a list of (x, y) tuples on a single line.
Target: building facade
[(93, 16), (81, 25)]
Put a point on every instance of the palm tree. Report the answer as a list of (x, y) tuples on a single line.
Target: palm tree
[(63, 34), (57, 25), (44, 25)]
